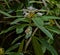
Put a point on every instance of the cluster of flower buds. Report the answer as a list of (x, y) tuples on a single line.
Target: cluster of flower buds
[(31, 11)]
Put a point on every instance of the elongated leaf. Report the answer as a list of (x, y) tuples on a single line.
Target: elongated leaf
[(53, 29), (14, 53), (37, 47), (48, 46), (16, 39), (12, 47), (21, 46), (17, 20), (7, 3), (14, 17), (7, 30), (46, 18), (4, 13), (39, 2), (46, 32), (38, 20), (39, 24)]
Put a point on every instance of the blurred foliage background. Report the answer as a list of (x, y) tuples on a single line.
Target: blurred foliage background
[(29, 27)]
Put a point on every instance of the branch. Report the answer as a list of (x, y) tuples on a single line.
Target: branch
[(27, 44), (57, 24)]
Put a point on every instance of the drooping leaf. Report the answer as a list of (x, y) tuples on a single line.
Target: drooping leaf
[(46, 18), (14, 53), (7, 30), (4, 13), (16, 39), (48, 46), (37, 47), (17, 20), (12, 47), (39, 24), (53, 29), (46, 32)]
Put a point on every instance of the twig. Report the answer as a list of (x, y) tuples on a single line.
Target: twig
[(57, 24), (34, 31), (44, 2), (27, 44)]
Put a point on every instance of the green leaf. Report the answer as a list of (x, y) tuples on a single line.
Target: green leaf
[(21, 46), (20, 28), (7, 3), (46, 32), (39, 24), (14, 17), (53, 29), (38, 2), (46, 18), (48, 46), (4, 13), (12, 47), (16, 39), (18, 20), (37, 47), (14, 53), (38, 20), (7, 30)]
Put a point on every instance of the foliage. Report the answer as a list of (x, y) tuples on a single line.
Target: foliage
[(30, 18)]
